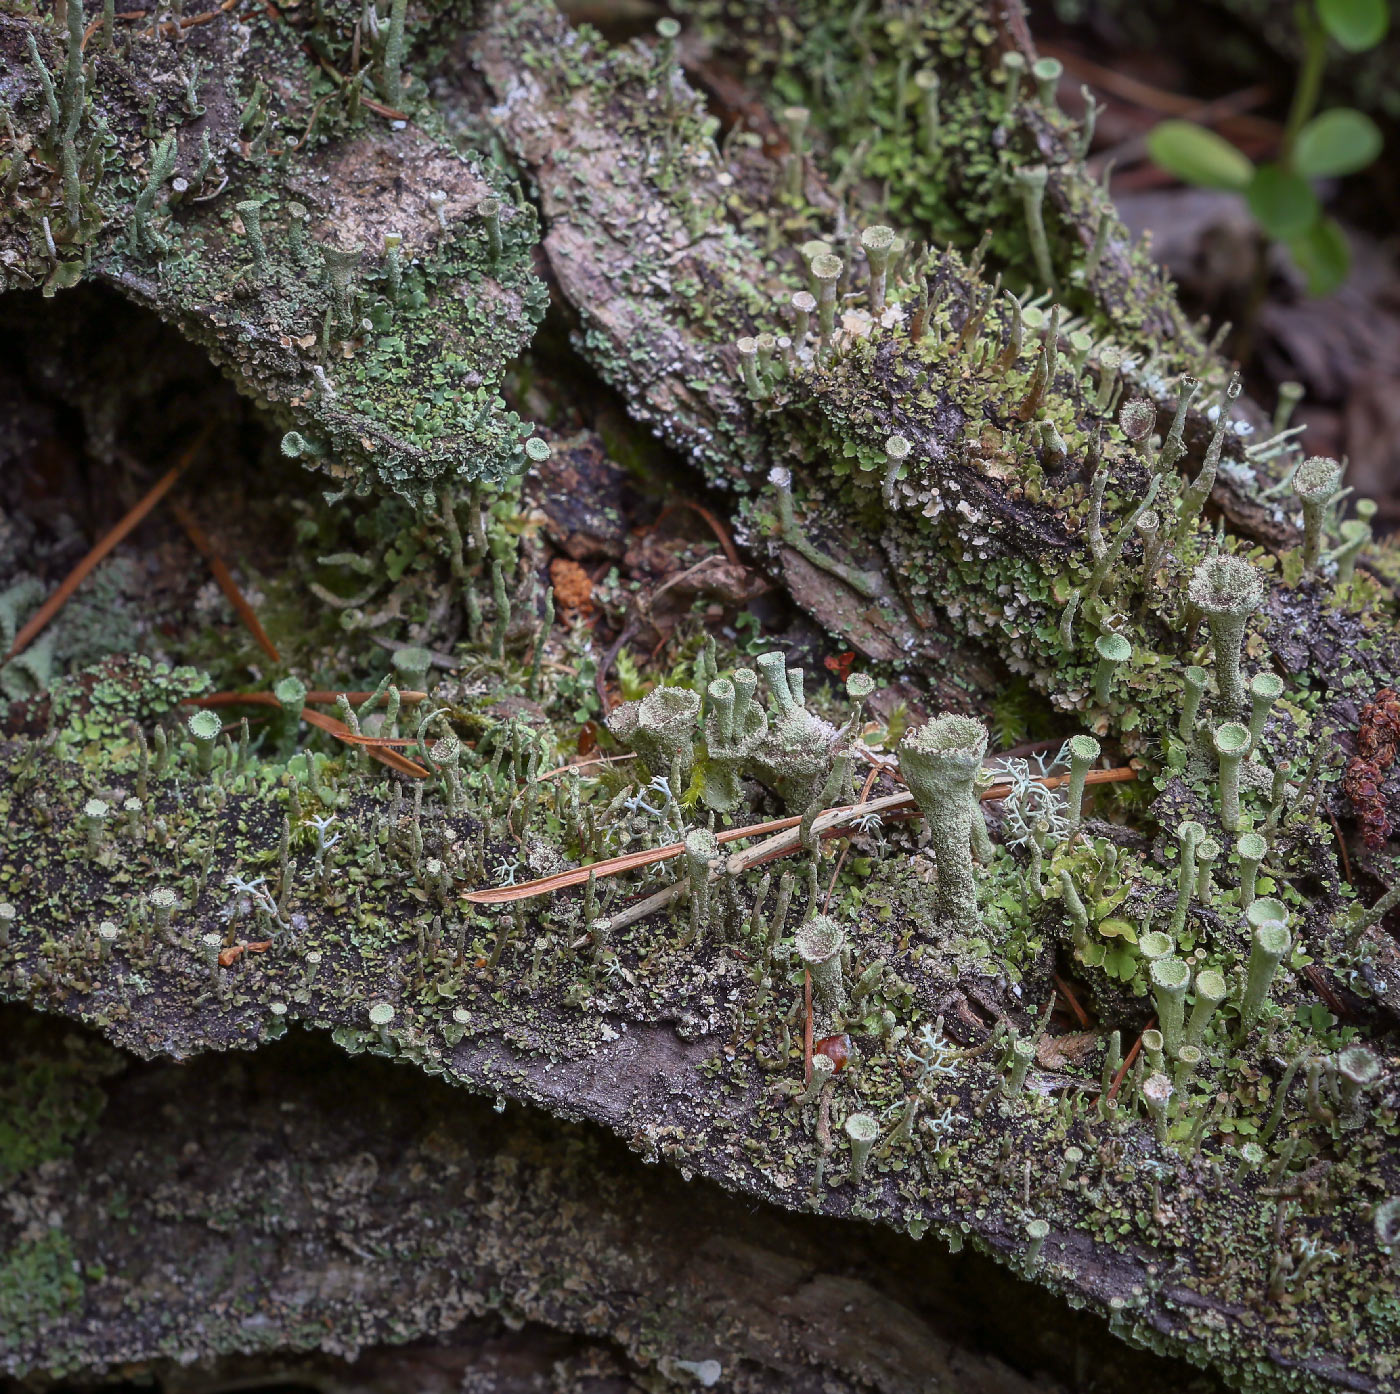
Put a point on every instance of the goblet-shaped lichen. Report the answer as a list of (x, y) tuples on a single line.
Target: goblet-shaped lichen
[(1228, 590), (939, 762)]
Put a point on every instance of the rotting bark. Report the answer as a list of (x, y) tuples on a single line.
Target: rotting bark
[(397, 1216)]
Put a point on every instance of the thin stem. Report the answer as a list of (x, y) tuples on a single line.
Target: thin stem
[(1305, 94)]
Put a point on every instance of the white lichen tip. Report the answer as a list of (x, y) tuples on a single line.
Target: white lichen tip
[(780, 477), (1316, 478), (1227, 585), (950, 734), (1137, 418)]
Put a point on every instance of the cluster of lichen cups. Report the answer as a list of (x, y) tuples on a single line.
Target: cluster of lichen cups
[(786, 747), (725, 744)]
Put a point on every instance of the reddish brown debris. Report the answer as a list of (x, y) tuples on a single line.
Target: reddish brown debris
[(837, 1049), (229, 956), (573, 590), (1377, 740)]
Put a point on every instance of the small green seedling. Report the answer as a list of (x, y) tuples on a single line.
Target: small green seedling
[(1279, 192)]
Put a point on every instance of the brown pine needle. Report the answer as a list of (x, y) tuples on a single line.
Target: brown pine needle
[(320, 720), (1128, 1060), (173, 28), (316, 699), (1053, 781), (1067, 993), (103, 546), (224, 577), (615, 866), (392, 758), (895, 804)]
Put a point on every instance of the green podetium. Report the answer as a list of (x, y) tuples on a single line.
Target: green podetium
[(393, 265), (1022, 1053), (897, 450), (1047, 73), (250, 211), (1171, 977), (1207, 853), (381, 1017), (1157, 1091), (1153, 1044), (1031, 181), (1110, 361), (1113, 651), (1227, 590), (735, 727), (1232, 742), (1264, 690), (1013, 66), (8, 916), (863, 1132), (701, 848), (803, 304), (291, 697), (823, 1070), (1196, 493), (162, 903), (1037, 1231), (1269, 945), (878, 243), (205, 728), (1251, 848), (1074, 908), (340, 262), (1189, 835), (94, 823), (1188, 1061), (826, 272), (144, 237), (819, 943), (489, 211), (939, 762), (1195, 680), (747, 348), (1083, 752), (795, 122), (1314, 482), (780, 477), (209, 946), (1359, 919), (1356, 1070)]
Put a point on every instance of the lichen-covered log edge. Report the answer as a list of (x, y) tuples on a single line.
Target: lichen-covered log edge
[(1054, 490), (309, 1202)]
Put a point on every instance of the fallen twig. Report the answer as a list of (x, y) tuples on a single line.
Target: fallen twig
[(777, 845), (109, 540), (321, 721), (224, 577)]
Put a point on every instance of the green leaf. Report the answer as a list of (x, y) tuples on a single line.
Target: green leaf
[(1337, 142), (1283, 204), (1198, 156), (1355, 24), (1323, 256)]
